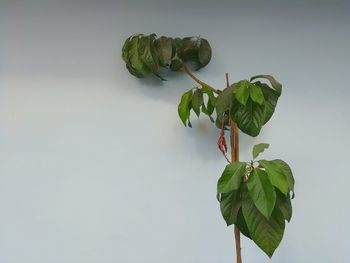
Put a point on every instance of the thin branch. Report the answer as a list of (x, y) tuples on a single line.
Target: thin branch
[(188, 72)]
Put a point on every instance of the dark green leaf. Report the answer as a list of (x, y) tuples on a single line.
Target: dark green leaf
[(249, 117), (285, 205), (242, 91), (259, 148), (231, 178), (242, 224), (266, 233), (224, 100), (256, 94), (145, 53), (197, 101), (274, 83), (230, 204), (184, 106), (279, 174), (271, 98), (204, 53), (261, 192), (163, 47), (176, 65)]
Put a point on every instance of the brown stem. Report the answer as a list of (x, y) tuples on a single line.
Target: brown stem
[(189, 73), (234, 140)]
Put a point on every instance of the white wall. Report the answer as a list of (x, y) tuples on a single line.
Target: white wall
[(95, 165)]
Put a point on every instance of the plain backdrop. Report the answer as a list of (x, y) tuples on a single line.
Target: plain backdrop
[(95, 165)]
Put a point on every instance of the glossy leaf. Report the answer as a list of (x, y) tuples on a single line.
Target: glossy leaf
[(261, 192), (249, 118), (266, 233), (279, 174), (242, 91), (231, 178), (271, 98), (259, 148), (256, 94), (185, 106)]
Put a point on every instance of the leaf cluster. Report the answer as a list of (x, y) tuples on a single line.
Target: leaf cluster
[(256, 197), (250, 104), (147, 54)]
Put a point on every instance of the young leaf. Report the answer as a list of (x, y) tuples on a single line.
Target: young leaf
[(256, 94), (249, 118), (266, 233), (261, 192), (274, 83), (184, 106), (259, 148), (242, 91), (279, 174), (231, 178), (230, 204), (285, 205), (197, 101)]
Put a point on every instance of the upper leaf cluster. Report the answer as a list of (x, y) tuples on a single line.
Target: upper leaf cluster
[(146, 54)]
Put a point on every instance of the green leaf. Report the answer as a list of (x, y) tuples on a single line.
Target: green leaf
[(271, 98), (224, 100), (136, 62), (145, 52), (204, 53), (249, 118), (266, 233), (230, 204), (197, 101), (185, 106), (176, 65), (164, 48), (285, 205), (210, 93), (280, 174), (256, 94), (274, 83), (259, 148), (231, 178), (261, 192), (242, 224), (242, 91)]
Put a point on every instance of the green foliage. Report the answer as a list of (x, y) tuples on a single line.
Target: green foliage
[(255, 197), (146, 54), (259, 148)]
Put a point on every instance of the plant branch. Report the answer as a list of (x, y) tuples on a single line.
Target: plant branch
[(235, 157), (189, 73)]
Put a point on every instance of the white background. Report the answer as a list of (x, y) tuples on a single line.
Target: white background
[(95, 165)]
